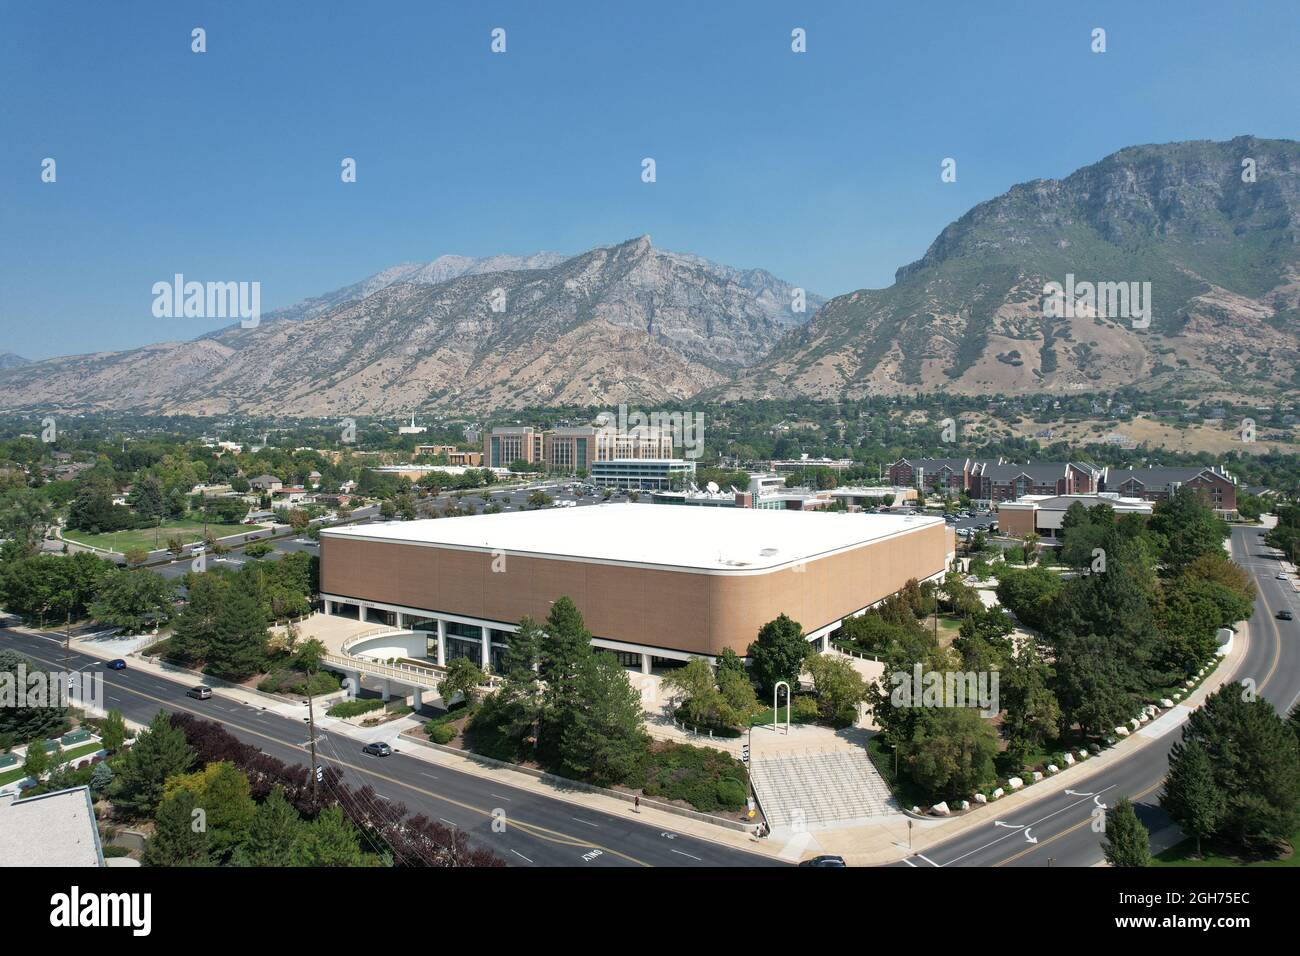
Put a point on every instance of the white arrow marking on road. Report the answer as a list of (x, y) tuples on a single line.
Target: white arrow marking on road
[(1009, 826), (1076, 793), (1031, 839), (1100, 805)]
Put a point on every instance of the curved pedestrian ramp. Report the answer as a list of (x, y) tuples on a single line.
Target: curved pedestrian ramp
[(820, 789)]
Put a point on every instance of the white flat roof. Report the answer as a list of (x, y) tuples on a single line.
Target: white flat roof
[(57, 829), (736, 540)]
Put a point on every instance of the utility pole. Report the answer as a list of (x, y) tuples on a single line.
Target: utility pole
[(311, 737)]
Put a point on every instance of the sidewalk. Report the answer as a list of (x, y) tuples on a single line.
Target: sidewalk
[(390, 733), (887, 841)]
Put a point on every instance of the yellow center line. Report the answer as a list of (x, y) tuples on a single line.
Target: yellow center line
[(557, 837)]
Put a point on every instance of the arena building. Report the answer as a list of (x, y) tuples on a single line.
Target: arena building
[(651, 582)]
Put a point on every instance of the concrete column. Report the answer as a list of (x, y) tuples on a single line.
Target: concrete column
[(401, 619), (442, 643), (329, 606), (645, 663), (417, 699), (826, 642), (386, 690), (362, 612), (486, 656), (355, 678)]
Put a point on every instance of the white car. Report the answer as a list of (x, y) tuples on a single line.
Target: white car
[(1282, 577)]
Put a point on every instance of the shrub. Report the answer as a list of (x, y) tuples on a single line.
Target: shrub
[(731, 794), (442, 733), (352, 708)]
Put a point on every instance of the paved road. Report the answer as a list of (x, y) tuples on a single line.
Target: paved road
[(1060, 823), (540, 830)]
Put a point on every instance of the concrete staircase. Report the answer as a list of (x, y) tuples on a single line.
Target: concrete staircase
[(822, 788)]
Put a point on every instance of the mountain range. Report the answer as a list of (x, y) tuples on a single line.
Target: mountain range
[(1211, 226)]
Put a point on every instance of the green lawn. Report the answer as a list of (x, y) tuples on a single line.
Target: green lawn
[(9, 776), (1183, 854), (145, 538)]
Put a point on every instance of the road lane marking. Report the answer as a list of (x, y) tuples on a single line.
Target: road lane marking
[(536, 830), (684, 853), (521, 856)]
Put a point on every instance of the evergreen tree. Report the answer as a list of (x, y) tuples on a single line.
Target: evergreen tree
[(159, 752), (604, 740), (1127, 841), (180, 838), (26, 722), (238, 648), (101, 778), (273, 833), (1256, 764), (778, 654), (1192, 797), (329, 840), (564, 648)]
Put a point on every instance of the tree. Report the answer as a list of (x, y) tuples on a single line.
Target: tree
[(565, 645), (272, 834), (237, 649), (1031, 713), (159, 752), (1127, 841), (1191, 797), (1089, 685), (179, 837), (1188, 527), (840, 688), (778, 654), (604, 741), (464, 677), (329, 840), (696, 689), (27, 722), (101, 778), (37, 763), (113, 732), (951, 751), (133, 600), (1256, 764), (222, 791)]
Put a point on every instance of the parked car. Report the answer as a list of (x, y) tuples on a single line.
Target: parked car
[(377, 750), (826, 859), (202, 692), (1281, 576), (1285, 616), (117, 664)]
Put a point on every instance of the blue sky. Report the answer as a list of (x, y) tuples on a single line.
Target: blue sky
[(821, 167)]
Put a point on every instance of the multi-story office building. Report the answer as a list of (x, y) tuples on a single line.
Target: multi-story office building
[(642, 474), (511, 443), (454, 456), (573, 449)]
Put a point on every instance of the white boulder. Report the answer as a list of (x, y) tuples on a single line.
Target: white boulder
[(1166, 703), (1053, 768), (940, 809), (1015, 783), (998, 793), (980, 798)]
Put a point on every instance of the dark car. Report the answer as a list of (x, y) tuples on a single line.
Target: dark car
[(377, 750), (116, 665), (825, 860), (1285, 616), (199, 693)]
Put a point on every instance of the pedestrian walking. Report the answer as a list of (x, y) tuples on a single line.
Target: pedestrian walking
[(636, 804)]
